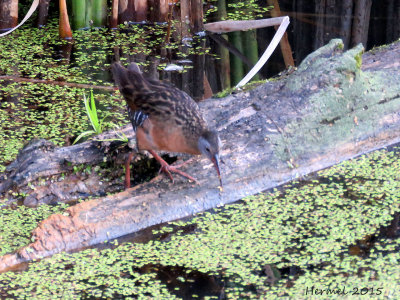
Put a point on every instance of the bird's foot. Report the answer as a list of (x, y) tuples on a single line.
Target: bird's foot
[(167, 169)]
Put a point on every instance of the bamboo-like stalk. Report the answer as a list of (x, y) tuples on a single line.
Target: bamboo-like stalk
[(393, 24), (332, 25), (237, 71), (64, 28), (250, 48), (88, 12), (224, 65), (99, 12), (78, 15), (14, 13)]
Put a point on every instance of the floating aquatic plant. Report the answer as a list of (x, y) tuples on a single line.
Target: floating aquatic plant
[(302, 232)]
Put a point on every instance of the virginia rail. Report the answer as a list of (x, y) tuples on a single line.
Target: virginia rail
[(164, 118)]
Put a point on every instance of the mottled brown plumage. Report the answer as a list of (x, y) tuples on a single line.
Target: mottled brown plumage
[(164, 118)]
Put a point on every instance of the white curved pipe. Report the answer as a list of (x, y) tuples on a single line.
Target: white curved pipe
[(270, 49), (28, 15)]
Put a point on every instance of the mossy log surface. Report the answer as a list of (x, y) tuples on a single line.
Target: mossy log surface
[(335, 106)]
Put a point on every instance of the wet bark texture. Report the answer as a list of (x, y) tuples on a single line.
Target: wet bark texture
[(329, 110)]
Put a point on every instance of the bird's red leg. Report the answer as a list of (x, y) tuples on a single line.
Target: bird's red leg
[(128, 171), (165, 167)]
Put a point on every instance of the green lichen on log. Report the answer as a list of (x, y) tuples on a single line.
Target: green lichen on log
[(341, 100)]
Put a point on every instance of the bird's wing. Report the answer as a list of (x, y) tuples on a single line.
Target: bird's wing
[(157, 100)]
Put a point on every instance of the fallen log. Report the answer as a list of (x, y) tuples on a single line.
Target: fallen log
[(42, 160), (331, 109)]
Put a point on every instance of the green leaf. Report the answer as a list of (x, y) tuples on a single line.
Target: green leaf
[(83, 134)]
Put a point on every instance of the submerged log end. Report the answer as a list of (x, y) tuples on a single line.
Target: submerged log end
[(59, 232)]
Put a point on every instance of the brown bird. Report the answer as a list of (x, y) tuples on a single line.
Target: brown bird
[(164, 118)]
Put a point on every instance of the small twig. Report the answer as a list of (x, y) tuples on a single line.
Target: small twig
[(235, 51)]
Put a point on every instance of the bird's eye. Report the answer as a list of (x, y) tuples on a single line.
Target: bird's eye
[(208, 149)]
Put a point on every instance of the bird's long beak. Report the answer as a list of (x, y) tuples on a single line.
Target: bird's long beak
[(215, 161)]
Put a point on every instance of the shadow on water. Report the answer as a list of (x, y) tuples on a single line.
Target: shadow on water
[(186, 283), (181, 282)]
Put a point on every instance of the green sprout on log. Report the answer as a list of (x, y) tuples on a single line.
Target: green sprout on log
[(98, 126), (91, 112)]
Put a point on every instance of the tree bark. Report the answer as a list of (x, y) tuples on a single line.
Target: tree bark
[(8, 14), (126, 10), (392, 23), (397, 24), (196, 15), (160, 11), (114, 14), (332, 13), (185, 19), (327, 111), (63, 24), (141, 10), (345, 22), (43, 13), (362, 10), (302, 26), (320, 7)]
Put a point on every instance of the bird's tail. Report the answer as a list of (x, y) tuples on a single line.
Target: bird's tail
[(130, 81)]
